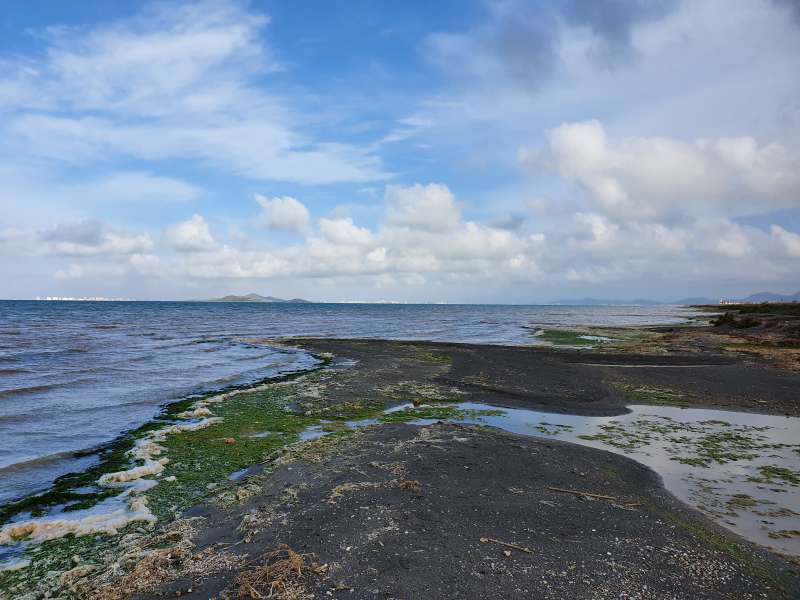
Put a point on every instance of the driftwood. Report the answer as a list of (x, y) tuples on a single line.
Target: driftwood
[(579, 493), (506, 544)]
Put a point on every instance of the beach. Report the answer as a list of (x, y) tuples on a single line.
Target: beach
[(628, 462)]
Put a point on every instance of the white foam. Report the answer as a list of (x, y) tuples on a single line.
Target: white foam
[(134, 507), (173, 429), (146, 449), (41, 530), (150, 467), (200, 411)]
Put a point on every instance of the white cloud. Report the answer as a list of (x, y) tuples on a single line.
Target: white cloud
[(652, 178), (788, 239), (137, 187), (91, 238), (284, 213), (89, 271), (146, 264), (176, 81), (192, 235), (521, 70), (428, 208), (344, 232), (590, 249)]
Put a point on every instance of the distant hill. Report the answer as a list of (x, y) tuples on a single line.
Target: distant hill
[(600, 302), (259, 298), (772, 297), (696, 300), (752, 298)]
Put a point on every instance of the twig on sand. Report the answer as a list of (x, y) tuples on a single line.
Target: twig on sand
[(579, 493), (506, 544)]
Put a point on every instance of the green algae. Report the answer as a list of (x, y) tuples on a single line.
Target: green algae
[(411, 391), (200, 458), (440, 413), (53, 557), (698, 444), (551, 428), (257, 425), (345, 411), (742, 501), (771, 475), (565, 337), (432, 357), (650, 394), (112, 457)]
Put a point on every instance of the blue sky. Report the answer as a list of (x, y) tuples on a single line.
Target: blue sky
[(502, 151)]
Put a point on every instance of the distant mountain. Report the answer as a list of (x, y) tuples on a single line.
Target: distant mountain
[(695, 300), (259, 298), (753, 298), (772, 297), (599, 302)]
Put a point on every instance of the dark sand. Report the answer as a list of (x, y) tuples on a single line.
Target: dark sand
[(398, 511)]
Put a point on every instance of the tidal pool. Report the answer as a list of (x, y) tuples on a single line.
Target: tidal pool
[(740, 469)]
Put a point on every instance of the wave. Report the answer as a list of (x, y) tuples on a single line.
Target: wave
[(28, 354), (19, 418), (14, 371), (37, 462), (35, 389)]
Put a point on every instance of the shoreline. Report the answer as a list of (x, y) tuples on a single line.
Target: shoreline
[(113, 454), (439, 361)]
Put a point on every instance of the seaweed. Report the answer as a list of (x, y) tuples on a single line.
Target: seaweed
[(441, 413), (565, 337)]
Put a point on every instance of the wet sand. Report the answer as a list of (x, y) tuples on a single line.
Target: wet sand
[(442, 510), (399, 510)]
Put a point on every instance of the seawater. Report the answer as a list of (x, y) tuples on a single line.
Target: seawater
[(75, 375)]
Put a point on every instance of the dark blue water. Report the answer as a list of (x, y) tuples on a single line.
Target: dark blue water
[(74, 375)]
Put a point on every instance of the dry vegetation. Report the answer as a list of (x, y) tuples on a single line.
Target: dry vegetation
[(283, 576)]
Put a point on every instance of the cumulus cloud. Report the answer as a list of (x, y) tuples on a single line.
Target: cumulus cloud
[(146, 264), (588, 249), (343, 231), (429, 208), (650, 178), (284, 213), (789, 240), (192, 235), (89, 238)]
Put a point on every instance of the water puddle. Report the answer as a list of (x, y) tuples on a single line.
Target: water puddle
[(740, 469)]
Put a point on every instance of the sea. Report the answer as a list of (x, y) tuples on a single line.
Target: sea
[(76, 375)]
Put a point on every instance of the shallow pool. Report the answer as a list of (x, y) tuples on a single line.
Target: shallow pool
[(741, 469)]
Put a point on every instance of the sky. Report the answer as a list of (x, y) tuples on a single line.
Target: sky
[(500, 151)]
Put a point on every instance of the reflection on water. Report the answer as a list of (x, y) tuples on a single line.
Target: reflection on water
[(741, 469)]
